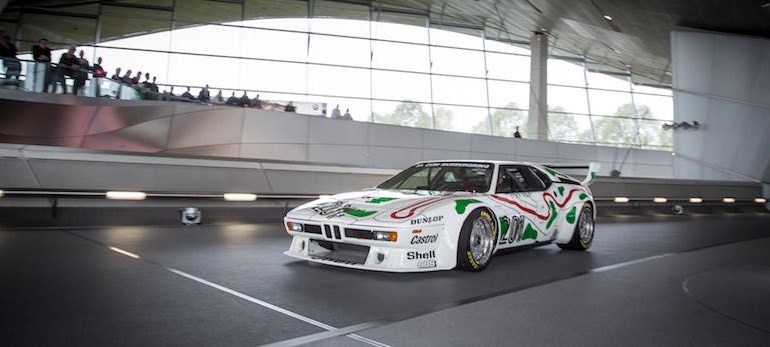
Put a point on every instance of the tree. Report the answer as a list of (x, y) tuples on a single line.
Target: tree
[(504, 122), (563, 127), (410, 114), (443, 118)]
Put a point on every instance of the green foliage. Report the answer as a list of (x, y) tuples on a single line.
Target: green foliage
[(411, 114), (504, 122)]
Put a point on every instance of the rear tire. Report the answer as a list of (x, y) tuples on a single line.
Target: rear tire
[(583, 236), (477, 240)]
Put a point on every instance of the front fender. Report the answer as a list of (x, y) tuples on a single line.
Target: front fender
[(566, 224)]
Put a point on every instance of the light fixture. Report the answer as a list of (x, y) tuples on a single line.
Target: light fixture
[(728, 200), (1, 193), (291, 226), (386, 236), (324, 196), (660, 200), (673, 153), (621, 199), (607, 17), (696, 200), (123, 195), (240, 197), (757, 200)]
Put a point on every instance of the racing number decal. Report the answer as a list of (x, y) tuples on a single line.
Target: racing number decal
[(515, 232)]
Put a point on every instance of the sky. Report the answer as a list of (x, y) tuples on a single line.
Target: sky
[(277, 78)]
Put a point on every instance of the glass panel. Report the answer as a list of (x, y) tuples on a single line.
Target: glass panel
[(406, 113), (339, 51), (567, 99), (652, 90), (359, 109), (460, 118), (338, 81), (657, 107), (564, 72), (276, 8), (500, 46), (508, 94), (187, 70), (459, 90), (455, 37), (457, 62), (507, 66), (270, 76), (611, 103), (356, 22), (400, 56), (605, 81), (36, 26), (384, 27), (288, 46), (159, 41), (504, 123), (651, 133), (400, 86), (569, 127), (219, 40), (613, 130), (203, 11), (122, 22), (153, 62)]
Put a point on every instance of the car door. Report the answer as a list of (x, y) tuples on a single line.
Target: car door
[(527, 218)]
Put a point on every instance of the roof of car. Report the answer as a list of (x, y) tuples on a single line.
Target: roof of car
[(497, 162)]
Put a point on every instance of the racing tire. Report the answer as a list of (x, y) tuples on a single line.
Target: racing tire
[(583, 235), (477, 240)]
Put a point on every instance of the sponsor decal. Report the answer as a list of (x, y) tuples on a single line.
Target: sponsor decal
[(339, 209), (419, 240), (461, 204), (452, 164), (471, 260), (426, 263), (412, 255), (427, 220), (517, 226)]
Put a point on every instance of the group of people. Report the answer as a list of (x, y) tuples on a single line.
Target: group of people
[(70, 65), (135, 81), (337, 115)]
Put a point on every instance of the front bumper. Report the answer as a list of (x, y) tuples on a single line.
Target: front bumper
[(411, 253)]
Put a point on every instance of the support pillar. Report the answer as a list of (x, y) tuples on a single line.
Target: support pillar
[(537, 122)]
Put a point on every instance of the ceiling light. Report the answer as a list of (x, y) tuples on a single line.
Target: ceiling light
[(760, 200), (607, 17), (1, 193), (660, 200), (240, 197), (114, 195), (621, 199), (696, 200), (728, 200)]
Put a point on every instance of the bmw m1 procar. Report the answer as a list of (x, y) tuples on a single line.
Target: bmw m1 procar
[(440, 215)]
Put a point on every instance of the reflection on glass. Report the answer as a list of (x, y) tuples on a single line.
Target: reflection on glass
[(405, 113)]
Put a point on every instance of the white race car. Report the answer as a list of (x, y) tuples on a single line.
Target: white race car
[(439, 215)]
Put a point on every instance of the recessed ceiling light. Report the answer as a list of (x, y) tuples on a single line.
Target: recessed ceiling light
[(607, 17), (668, 73), (543, 29)]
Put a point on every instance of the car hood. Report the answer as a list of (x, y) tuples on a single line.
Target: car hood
[(372, 207)]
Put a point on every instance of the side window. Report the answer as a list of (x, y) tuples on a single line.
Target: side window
[(543, 177), (514, 179)]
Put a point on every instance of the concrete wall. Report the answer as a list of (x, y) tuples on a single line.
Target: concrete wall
[(723, 82)]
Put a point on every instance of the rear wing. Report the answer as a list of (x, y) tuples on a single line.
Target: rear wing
[(593, 170)]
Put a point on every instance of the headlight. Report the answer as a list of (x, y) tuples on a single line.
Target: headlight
[(386, 236), (291, 226)]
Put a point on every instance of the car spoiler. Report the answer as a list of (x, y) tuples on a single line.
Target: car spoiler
[(593, 170)]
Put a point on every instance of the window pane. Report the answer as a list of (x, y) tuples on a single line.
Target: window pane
[(507, 66), (457, 62), (565, 72), (37, 26), (160, 41), (273, 76), (359, 109), (203, 11), (657, 107), (611, 103), (569, 127), (186, 70), (605, 81), (277, 8), (406, 113), (652, 90), (613, 130), (508, 94), (460, 118), (567, 99), (459, 90), (356, 24), (504, 123), (400, 86), (384, 29), (328, 80), (651, 133), (219, 40), (400, 56), (115, 25), (154, 63), (506, 47), (449, 36), (338, 50), (256, 43)]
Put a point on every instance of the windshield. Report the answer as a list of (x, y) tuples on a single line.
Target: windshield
[(445, 176)]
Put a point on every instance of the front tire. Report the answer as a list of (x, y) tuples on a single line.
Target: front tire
[(477, 240), (583, 236)]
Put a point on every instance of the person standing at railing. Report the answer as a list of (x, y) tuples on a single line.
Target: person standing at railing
[(257, 103), (126, 79), (219, 98), (68, 64), (80, 74), (116, 77), (204, 95), (135, 81), (41, 53), (8, 54), (99, 73)]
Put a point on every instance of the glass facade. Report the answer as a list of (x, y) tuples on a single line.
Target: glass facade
[(393, 67)]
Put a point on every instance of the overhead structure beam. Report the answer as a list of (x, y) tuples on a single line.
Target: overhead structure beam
[(3, 3), (537, 122)]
